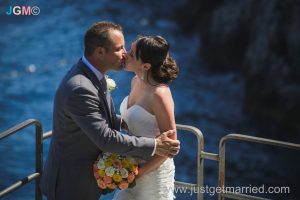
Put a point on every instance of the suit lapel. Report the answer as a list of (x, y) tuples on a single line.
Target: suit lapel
[(98, 86), (112, 110)]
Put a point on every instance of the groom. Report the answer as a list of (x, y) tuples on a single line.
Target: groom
[(85, 123)]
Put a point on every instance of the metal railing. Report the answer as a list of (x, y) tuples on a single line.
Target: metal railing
[(247, 138), (201, 155), (38, 157), (200, 164)]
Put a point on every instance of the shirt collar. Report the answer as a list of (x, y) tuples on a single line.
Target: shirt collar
[(98, 74)]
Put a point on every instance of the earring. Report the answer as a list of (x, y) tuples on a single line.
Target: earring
[(143, 75)]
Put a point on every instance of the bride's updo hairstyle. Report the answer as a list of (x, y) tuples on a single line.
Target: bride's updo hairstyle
[(155, 50)]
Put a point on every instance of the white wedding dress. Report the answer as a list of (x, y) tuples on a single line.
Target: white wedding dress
[(158, 184)]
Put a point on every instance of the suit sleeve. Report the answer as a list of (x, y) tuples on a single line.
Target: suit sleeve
[(118, 122), (83, 106)]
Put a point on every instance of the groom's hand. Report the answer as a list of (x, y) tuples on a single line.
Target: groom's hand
[(166, 146)]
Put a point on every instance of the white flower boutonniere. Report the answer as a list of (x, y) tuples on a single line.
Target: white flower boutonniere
[(111, 84)]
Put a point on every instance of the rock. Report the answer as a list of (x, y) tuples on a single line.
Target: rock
[(259, 37)]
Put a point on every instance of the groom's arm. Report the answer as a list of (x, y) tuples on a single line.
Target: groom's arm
[(83, 107)]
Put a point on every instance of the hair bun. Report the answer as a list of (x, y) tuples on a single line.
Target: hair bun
[(169, 70)]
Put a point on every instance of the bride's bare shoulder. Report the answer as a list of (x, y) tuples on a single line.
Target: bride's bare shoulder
[(162, 100), (162, 92)]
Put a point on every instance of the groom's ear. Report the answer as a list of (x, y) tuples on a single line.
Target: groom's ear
[(100, 51)]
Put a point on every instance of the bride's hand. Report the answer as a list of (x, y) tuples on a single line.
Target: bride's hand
[(141, 173), (166, 146)]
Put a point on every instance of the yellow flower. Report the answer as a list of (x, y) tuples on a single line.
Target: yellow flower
[(114, 156), (131, 167), (117, 178), (108, 163), (101, 172), (125, 163)]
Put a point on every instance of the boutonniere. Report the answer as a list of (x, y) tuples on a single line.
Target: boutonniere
[(111, 84)]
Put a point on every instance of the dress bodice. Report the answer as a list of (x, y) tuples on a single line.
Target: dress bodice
[(139, 121), (157, 184)]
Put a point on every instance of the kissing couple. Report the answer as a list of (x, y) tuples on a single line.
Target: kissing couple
[(85, 123)]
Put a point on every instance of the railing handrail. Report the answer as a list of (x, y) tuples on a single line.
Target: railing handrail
[(260, 140), (38, 157), (18, 127)]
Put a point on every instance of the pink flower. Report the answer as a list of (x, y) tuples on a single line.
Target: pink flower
[(117, 164), (95, 169), (107, 179), (96, 175)]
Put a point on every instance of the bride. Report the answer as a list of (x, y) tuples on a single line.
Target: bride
[(149, 110)]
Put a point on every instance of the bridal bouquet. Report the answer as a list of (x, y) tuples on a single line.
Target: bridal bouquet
[(113, 171)]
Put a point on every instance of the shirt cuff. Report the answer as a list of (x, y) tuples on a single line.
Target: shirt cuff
[(153, 153)]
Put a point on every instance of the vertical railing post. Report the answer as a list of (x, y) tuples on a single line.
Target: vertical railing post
[(200, 166), (38, 158), (200, 159), (221, 179)]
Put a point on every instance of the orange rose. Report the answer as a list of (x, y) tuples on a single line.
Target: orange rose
[(123, 185), (130, 177), (111, 186), (135, 170), (107, 179)]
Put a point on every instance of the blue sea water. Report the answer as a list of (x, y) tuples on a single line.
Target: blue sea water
[(36, 52)]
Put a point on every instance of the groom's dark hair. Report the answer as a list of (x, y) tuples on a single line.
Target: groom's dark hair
[(98, 35)]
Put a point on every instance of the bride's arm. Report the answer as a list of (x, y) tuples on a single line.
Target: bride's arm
[(162, 106)]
